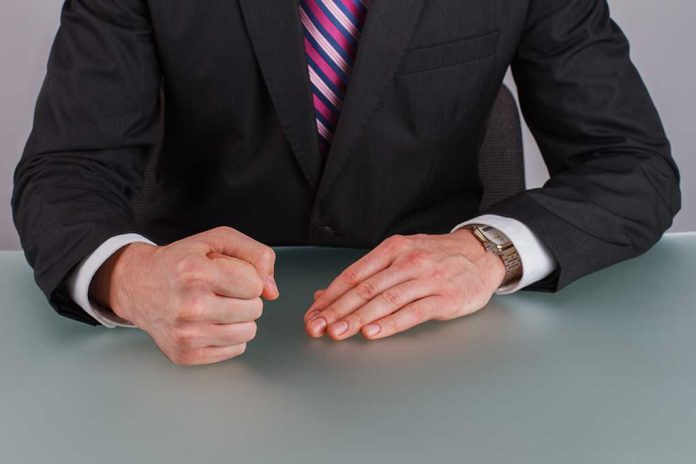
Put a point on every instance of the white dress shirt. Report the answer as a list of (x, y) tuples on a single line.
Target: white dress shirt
[(537, 263)]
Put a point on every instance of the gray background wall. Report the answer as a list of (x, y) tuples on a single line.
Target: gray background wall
[(661, 33)]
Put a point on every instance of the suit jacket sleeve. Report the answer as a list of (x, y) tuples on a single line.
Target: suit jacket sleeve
[(95, 124), (614, 188)]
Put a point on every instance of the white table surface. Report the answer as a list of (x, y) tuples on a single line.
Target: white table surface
[(602, 372)]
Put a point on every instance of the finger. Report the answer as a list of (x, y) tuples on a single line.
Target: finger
[(234, 278), (208, 355), (231, 242), (221, 335), (313, 313), (377, 260), (223, 310), (386, 303), (409, 316), (355, 298), (194, 337), (216, 354)]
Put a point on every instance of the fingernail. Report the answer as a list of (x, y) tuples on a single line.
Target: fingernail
[(311, 315), (339, 328), (372, 330), (317, 326), (272, 284)]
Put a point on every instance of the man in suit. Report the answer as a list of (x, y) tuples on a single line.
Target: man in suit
[(328, 122)]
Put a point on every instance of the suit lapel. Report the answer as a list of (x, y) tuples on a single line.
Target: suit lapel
[(386, 34), (276, 33)]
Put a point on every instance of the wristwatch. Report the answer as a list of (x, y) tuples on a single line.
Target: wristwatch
[(498, 243)]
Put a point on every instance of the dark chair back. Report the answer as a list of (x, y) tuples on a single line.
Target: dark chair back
[(501, 161)]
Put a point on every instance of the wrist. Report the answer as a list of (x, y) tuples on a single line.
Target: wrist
[(489, 261), (112, 282)]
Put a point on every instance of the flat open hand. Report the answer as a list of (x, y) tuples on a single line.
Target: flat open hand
[(405, 281)]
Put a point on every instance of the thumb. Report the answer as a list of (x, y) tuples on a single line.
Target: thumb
[(270, 288), (264, 262)]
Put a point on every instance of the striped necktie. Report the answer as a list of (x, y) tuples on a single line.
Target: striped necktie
[(332, 30)]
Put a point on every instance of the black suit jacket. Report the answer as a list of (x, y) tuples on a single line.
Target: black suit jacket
[(239, 146)]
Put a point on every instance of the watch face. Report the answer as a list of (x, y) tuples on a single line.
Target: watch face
[(495, 236)]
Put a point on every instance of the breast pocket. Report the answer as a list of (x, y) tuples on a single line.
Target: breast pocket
[(448, 54), (438, 88)]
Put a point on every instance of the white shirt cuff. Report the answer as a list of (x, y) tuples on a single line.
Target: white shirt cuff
[(80, 279), (537, 261)]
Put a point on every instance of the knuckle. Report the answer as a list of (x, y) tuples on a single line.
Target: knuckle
[(419, 259), (267, 255), (183, 315), (396, 241), (186, 267), (193, 310), (419, 313), (183, 339), (350, 277), (222, 230), (392, 297), (189, 280), (331, 314), (402, 266), (366, 290), (390, 325), (257, 309), (198, 247)]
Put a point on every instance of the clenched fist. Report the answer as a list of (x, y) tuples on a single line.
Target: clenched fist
[(197, 298)]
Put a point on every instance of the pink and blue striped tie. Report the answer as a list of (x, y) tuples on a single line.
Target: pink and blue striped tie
[(332, 30)]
